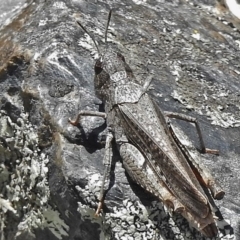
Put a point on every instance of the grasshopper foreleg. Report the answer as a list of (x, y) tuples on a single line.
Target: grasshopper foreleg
[(192, 120), (86, 113), (107, 160)]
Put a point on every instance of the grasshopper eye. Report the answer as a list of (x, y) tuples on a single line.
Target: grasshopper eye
[(121, 57), (98, 67)]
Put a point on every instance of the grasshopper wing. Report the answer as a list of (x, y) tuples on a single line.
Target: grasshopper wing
[(147, 129)]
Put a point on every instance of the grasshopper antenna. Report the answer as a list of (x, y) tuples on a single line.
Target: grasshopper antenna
[(85, 30), (109, 17)]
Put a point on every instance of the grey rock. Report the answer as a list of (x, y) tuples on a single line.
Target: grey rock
[(50, 172)]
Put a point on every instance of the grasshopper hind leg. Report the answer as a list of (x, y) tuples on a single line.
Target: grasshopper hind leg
[(134, 163), (141, 173), (193, 120)]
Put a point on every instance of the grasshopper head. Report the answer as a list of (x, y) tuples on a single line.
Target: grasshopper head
[(111, 62), (109, 69)]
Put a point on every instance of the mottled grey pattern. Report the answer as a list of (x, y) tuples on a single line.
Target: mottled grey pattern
[(191, 48), (59, 88)]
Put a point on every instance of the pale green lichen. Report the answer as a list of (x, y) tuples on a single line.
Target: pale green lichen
[(24, 186)]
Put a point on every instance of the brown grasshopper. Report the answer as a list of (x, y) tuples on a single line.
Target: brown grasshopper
[(151, 153)]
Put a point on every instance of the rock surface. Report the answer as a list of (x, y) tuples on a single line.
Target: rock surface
[(50, 172)]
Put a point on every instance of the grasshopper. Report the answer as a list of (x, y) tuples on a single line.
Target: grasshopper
[(151, 153)]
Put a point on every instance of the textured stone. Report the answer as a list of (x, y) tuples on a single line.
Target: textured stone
[(50, 172)]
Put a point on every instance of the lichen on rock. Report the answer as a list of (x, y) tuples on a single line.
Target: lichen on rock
[(24, 189)]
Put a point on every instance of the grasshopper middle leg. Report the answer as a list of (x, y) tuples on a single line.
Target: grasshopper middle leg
[(192, 120), (202, 174), (107, 161)]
